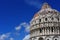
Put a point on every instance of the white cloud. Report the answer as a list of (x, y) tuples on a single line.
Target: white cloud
[(16, 32), (27, 37), (11, 38), (18, 28), (24, 24), (27, 26), (27, 29), (35, 3), (4, 36)]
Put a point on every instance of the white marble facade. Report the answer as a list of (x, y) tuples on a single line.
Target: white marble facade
[(45, 24)]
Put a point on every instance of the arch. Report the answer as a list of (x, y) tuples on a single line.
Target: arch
[(40, 38), (55, 38), (48, 38)]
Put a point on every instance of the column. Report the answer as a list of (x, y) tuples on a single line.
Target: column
[(42, 31), (53, 30), (45, 30), (49, 30), (58, 30)]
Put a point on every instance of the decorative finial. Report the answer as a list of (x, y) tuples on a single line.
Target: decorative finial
[(45, 5)]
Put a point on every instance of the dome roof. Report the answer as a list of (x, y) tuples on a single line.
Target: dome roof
[(45, 5), (36, 15), (45, 10)]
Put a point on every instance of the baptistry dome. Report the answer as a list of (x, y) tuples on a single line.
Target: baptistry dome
[(45, 24), (46, 9)]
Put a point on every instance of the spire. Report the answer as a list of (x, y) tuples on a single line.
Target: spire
[(45, 5)]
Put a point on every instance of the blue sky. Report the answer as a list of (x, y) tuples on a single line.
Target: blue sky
[(15, 16)]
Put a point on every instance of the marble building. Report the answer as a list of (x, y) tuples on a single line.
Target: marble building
[(45, 24)]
